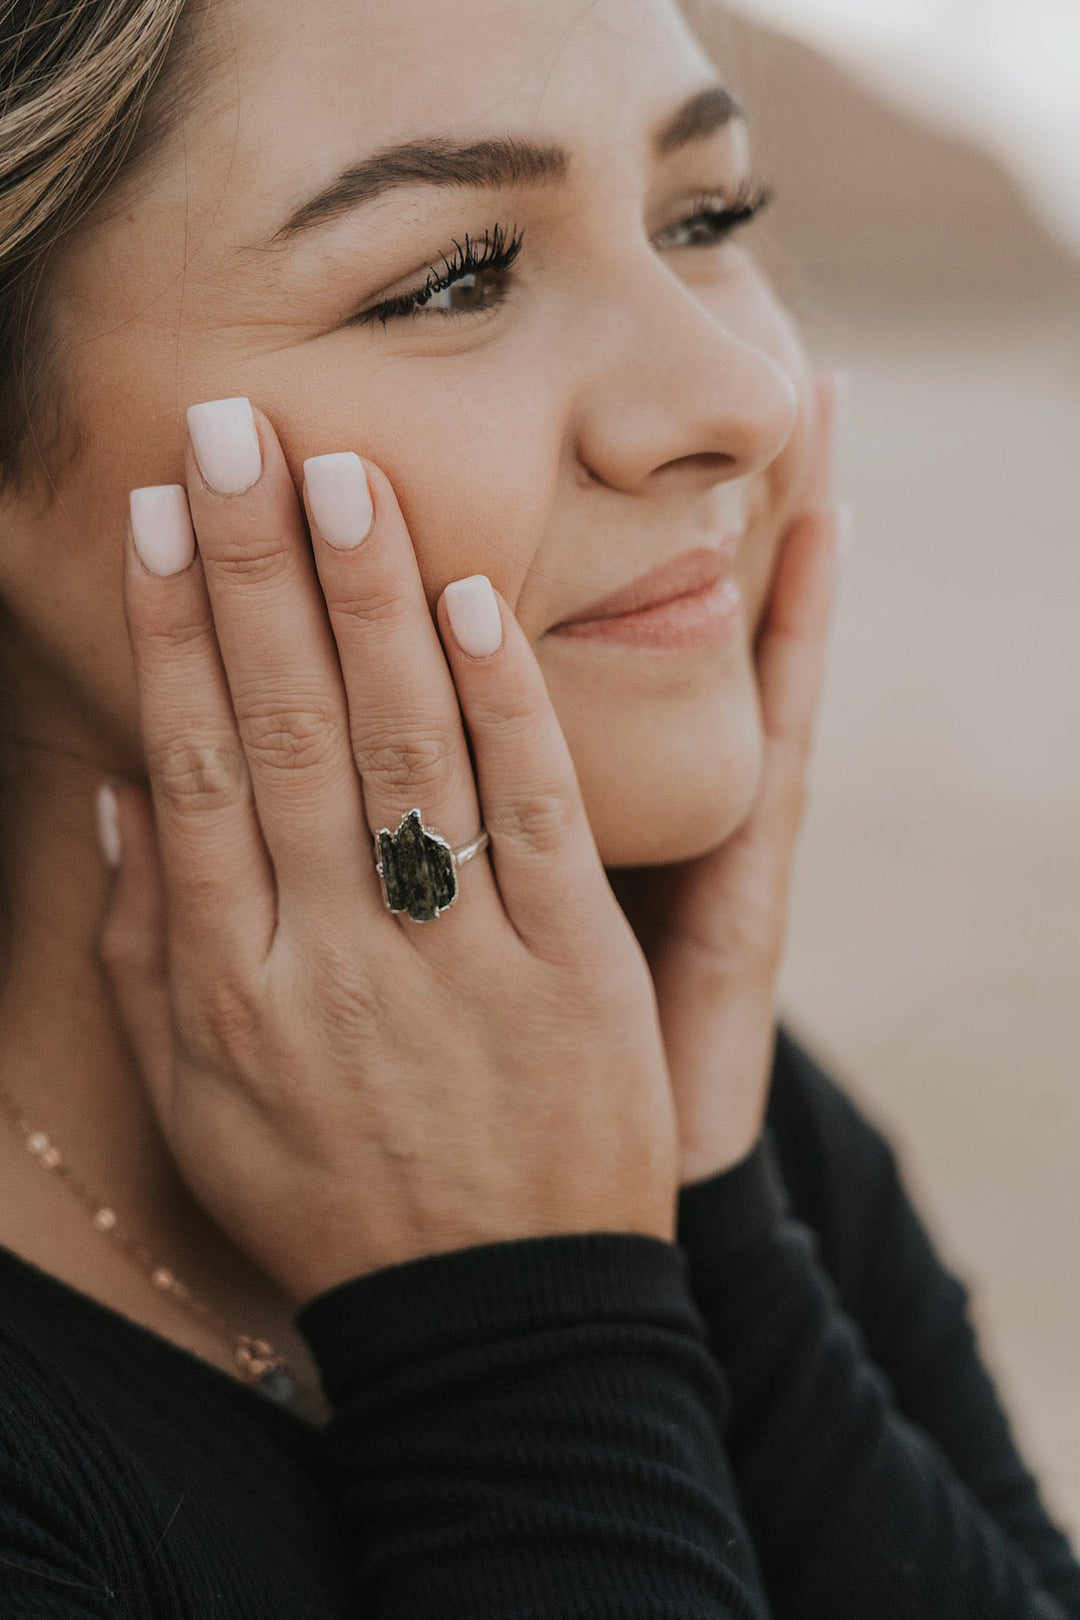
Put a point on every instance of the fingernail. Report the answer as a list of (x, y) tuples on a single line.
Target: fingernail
[(108, 820), (339, 498), (474, 615), (845, 526), (161, 528), (226, 444)]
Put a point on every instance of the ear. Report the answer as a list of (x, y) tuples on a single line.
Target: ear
[(132, 941)]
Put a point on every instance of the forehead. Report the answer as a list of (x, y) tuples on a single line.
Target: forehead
[(293, 91)]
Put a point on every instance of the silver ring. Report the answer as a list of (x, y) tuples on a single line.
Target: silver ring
[(418, 869)]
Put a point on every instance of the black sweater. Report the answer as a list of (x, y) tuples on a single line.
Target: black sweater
[(782, 1414)]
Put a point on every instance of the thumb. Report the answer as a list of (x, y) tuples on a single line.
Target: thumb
[(132, 940)]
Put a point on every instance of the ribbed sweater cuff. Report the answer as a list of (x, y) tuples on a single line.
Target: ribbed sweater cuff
[(470, 1297), (533, 1428)]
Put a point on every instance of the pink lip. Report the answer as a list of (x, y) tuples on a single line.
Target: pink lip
[(689, 601)]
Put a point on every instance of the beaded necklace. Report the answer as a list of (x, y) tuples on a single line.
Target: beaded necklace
[(256, 1360)]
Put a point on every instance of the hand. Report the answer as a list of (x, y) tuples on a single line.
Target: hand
[(343, 1088), (713, 928)]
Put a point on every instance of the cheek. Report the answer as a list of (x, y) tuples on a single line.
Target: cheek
[(669, 767), (473, 468)]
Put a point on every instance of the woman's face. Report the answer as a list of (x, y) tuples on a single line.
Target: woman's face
[(619, 395)]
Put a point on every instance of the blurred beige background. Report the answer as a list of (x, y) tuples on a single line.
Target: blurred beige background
[(934, 953)]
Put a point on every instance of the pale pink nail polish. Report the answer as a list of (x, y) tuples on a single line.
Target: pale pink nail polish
[(108, 820), (226, 444), (474, 615), (339, 498), (161, 527)]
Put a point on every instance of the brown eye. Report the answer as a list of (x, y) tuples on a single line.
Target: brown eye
[(472, 281), (470, 292), (714, 220)]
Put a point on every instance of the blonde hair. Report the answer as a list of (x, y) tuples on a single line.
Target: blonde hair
[(76, 78)]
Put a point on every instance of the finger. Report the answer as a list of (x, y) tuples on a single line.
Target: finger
[(214, 860), (830, 394), (132, 941), (280, 660), (543, 851), (792, 658), (404, 718)]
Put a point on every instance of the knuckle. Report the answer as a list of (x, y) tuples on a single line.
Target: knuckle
[(538, 825), (197, 774), (378, 605), (412, 761), (354, 1006), (742, 949), (511, 717), (283, 738), (217, 1018), (248, 560), (170, 630), (751, 945)]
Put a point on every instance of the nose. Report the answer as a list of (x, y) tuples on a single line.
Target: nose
[(673, 395)]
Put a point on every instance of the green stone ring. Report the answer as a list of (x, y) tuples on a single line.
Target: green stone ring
[(418, 869)]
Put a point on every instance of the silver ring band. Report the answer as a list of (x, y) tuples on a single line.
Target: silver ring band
[(418, 869), (475, 846)]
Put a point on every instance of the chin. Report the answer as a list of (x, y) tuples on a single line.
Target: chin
[(661, 793)]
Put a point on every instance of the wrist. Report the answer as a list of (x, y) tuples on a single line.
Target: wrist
[(697, 1167)]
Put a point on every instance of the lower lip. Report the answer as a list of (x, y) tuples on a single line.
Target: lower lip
[(683, 624)]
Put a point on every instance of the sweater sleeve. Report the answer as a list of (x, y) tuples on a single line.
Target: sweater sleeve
[(912, 1312), (49, 1568), (854, 1509), (531, 1429)]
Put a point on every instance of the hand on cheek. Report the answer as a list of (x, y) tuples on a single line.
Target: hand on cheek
[(713, 929), (347, 1078)]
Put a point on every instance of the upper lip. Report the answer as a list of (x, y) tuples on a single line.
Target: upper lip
[(689, 571)]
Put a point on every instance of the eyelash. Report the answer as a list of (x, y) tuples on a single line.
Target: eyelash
[(497, 251)]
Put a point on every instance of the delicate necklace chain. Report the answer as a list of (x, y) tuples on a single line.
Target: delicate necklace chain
[(256, 1359)]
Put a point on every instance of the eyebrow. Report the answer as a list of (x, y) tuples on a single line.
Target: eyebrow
[(501, 161)]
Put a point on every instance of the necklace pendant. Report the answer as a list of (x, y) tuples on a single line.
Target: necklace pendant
[(263, 1369), (276, 1385), (259, 1364), (255, 1357)]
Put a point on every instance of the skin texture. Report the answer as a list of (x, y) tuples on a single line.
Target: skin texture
[(625, 404)]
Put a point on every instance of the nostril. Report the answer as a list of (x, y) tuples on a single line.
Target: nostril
[(714, 463)]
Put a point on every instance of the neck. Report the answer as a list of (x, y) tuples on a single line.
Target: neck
[(62, 1051), (64, 1060)]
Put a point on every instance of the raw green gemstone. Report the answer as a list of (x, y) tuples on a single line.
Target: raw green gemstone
[(418, 869)]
